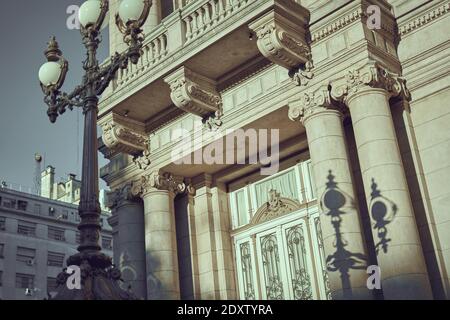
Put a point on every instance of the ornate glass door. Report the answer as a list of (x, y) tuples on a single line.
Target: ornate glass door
[(274, 285)]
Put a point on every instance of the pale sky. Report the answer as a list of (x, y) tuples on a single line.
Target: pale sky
[(26, 26)]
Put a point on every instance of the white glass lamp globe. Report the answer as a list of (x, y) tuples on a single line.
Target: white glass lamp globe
[(131, 10), (49, 73), (89, 12)]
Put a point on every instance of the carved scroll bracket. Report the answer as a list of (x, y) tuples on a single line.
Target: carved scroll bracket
[(122, 135), (282, 36), (196, 94)]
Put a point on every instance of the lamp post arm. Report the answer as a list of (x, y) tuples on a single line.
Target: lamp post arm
[(108, 73)]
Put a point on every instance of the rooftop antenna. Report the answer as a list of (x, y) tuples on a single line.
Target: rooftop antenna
[(37, 174)]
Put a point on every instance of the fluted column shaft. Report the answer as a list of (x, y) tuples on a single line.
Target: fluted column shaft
[(340, 221), (367, 91)]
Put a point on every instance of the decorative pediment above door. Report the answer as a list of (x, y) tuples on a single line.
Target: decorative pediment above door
[(277, 206)]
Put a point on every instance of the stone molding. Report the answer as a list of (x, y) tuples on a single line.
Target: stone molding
[(312, 103), (369, 75), (357, 11), (122, 137), (424, 19), (196, 94), (281, 35), (159, 180)]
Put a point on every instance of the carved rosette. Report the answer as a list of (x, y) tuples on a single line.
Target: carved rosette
[(158, 180), (281, 36), (312, 103), (195, 94), (120, 139), (370, 75)]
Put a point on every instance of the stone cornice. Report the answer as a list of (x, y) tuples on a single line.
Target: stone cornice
[(312, 103), (354, 11), (423, 19), (369, 75)]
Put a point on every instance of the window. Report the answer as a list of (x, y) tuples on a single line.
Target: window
[(2, 249), (37, 208), (26, 255), (55, 259), (22, 205), (9, 203), (24, 281), (56, 234), (2, 223), (51, 284), (1, 278), (106, 243), (26, 228), (51, 211), (166, 8), (78, 237), (65, 214), (101, 222)]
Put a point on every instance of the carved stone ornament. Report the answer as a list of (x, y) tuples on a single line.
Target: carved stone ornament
[(277, 206), (311, 103), (143, 161), (195, 94), (370, 75), (121, 139), (281, 35), (120, 196), (158, 180), (302, 75)]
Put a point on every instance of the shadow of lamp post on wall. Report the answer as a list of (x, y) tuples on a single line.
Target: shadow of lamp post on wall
[(99, 276)]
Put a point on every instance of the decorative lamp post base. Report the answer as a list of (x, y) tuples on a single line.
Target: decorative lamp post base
[(99, 280)]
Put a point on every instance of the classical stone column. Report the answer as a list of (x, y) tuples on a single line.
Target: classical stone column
[(158, 190), (154, 16), (366, 91), (129, 244), (344, 247)]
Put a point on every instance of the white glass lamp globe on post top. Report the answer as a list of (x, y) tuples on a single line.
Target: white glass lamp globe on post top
[(131, 10), (90, 12), (50, 73)]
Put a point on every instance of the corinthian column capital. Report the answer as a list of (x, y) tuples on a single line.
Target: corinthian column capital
[(158, 180), (120, 196), (369, 76), (281, 34), (312, 103)]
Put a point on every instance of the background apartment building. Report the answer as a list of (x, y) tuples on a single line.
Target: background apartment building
[(38, 234)]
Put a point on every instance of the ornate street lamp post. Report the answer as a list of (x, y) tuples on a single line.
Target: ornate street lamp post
[(98, 275)]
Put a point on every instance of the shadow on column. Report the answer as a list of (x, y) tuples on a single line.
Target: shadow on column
[(154, 286), (383, 212), (341, 260)]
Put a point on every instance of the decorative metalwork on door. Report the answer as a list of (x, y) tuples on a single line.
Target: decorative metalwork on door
[(247, 271), (326, 281), (271, 267), (298, 265)]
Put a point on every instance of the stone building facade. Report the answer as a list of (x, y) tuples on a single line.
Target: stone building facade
[(37, 235), (355, 92)]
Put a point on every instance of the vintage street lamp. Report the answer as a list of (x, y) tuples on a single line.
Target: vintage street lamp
[(99, 278)]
